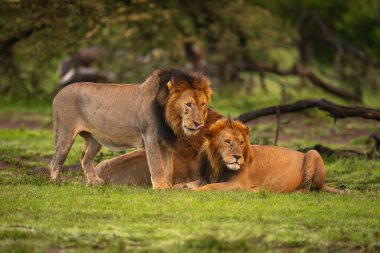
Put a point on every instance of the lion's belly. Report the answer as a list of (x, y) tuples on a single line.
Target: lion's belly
[(119, 142), (286, 181), (114, 133), (109, 114)]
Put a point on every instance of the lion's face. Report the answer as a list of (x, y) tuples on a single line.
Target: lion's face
[(228, 140), (231, 148), (193, 111), (187, 109)]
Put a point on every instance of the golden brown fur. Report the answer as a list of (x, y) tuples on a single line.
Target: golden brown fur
[(168, 104), (133, 169), (229, 162)]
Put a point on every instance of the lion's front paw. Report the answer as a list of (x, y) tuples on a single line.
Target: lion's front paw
[(181, 186), (55, 176), (161, 186), (196, 189)]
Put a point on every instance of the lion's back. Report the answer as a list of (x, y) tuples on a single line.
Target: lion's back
[(277, 168)]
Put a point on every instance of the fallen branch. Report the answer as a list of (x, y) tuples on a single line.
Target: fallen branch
[(376, 137), (336, 111), (302, 72), (342, 153)]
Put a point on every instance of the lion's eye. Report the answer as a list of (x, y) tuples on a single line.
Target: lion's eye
[(228, 142), (190, 105), (241, 143), (204, 104)]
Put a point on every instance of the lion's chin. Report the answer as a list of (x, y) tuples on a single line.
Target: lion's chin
[(190, 131), (233, 166)]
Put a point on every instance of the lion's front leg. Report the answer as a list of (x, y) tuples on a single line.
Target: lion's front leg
[(167, 157), (155, 162), (225, 186), (189, 185), (254, 188)]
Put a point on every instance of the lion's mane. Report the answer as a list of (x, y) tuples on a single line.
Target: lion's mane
[(168, 121), (211, 166)]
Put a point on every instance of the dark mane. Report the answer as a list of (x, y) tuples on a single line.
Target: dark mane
[(204, 168), (176, 75), (165, 132), (226, 174), (205, 171)]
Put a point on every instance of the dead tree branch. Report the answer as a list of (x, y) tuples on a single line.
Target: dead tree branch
[(278, 126), (342, 153), (336, 111), (305, 73), (328, 35)]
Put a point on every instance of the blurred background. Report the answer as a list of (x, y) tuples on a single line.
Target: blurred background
[(257, 53)]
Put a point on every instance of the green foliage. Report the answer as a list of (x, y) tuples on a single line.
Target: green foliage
[(144, 35), (34, 36)]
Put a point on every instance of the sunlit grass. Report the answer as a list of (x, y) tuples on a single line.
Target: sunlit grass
[(38, 216), (43, 216)]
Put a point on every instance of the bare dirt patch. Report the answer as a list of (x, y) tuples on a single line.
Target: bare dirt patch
[(20, 123), (25, 120), (318, 130), (4, 165), (43, 171)]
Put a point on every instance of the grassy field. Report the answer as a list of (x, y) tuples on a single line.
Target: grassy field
[(38, 216)]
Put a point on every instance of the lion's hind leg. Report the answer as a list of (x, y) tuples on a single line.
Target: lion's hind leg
[(91, 148), (309, 171), (313, 171), (63, 143), (315, 174)]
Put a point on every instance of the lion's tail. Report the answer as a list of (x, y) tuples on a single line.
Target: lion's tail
[(326, 188)]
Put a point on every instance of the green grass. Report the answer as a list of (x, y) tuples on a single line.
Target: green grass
[(38, 216)]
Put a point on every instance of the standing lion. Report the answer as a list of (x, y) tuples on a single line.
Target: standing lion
[(168, 104)]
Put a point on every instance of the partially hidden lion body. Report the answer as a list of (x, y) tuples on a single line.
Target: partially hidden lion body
[(132, 168), (229, 162), (168, 104)]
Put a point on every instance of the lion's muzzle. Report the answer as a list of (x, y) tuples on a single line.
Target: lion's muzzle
[(235, 162), (233, 166), (194, 129)]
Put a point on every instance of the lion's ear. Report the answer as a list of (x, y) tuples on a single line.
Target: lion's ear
[(174, 86), (247, 130), (170, 86)]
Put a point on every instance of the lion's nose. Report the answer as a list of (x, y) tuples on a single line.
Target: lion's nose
[(237, 156), (198, 125)]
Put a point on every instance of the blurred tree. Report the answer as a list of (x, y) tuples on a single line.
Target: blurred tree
[(34, 35), (222, 38), (339, 34)]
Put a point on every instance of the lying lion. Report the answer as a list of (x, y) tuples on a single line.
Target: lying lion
[(168, 104), (228, 162)]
